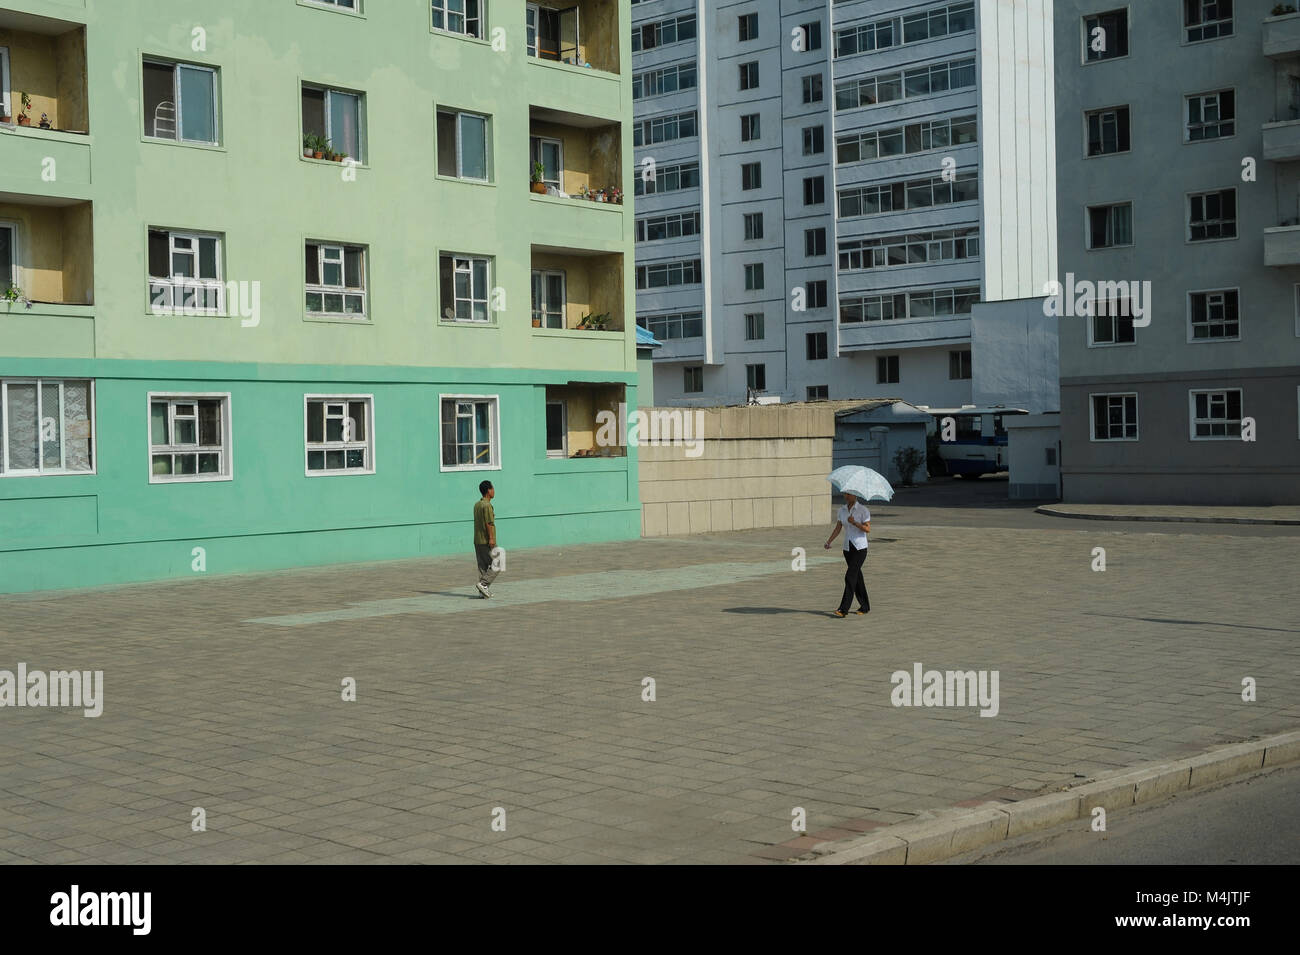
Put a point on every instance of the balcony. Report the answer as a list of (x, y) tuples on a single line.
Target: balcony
[(1282, 245), (44, 61), (584, 35), (1282, 141), (1282, 36), (575, 427), (576, 161), (46, 252), (577, 294)]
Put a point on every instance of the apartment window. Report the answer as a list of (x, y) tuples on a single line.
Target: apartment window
[(336, 279), (462, 145), (749, 76), (748, 27), (669, 79), (339, 434), (459, 16), (650, 36), (1112, 323), (812, 88), (814, 190), (751, 175), (1212, 215), (469, 433), (548, 298), (1207, 19), (756, 377), (886, 369), (342, 4), (1110, 226), (814, 242), (189, 437), (754, 277), (819, 393), (816, 293), (180, 102), (1105, 36), (913, 194), (1211, 116), (185, 273), (815, 343), (904, 140), (465, 283), (1214, 316), (753, 225), (1114, 417), (897, 306), (694, 380), (8, 255), (669, 274), (896, 85), (335, 115), (959, 365), (812, 34), (672, 226), (911, 249), (557, 428), (669, 179), (676, 325), (550, 153), (1216, 415), (1108, 131), (814, 140), (46, 426), (939, 22), (5, 105), (665, 129), (754, 331), (749, 127)]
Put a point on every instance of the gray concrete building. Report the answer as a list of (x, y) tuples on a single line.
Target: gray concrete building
[(1178, 149), (828, 188)]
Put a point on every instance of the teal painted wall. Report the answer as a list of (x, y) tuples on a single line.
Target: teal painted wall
[(257, 190)]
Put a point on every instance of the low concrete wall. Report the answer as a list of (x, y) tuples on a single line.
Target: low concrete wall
[(761, 466)]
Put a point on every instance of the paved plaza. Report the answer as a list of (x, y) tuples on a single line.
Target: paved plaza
[(225, 694)]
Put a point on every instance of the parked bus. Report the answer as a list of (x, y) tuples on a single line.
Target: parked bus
[(979, 444)]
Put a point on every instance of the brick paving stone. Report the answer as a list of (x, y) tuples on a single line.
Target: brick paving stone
[(759, 709)]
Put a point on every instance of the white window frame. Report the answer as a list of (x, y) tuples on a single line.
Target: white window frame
[(494, 439), (339, 5), (1192, 420), (1087, 225), (177, 66), (1191, 339), (16, 264), (322, 289), (532, 27), (563, 452), (547, 306), (691, 370), (226, 449), (368, 445), (6, 104), (542, 142), (465, 20), (173, 284), (1218, 105), (40, 470), (1101, 112), (1296, 289), (1087, 36), (1092, 417), (457, 258), (363, 147), (460, 114), (1188, 27)]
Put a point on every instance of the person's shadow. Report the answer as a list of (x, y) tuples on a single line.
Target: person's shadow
[(772, 610)]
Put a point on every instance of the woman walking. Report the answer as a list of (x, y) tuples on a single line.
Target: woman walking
[(855, 520)]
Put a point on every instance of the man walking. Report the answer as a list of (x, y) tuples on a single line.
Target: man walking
[(485, 539), (855, 520)]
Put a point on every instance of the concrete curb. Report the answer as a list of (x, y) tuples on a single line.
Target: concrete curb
[(950, 832), (1053, 512)]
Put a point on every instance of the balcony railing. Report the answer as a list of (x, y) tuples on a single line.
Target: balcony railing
[(1282, 36)]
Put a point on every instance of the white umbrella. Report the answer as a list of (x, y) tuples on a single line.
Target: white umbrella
[(863, 483)]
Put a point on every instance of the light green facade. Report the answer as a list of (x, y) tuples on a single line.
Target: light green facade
[(266, 200)]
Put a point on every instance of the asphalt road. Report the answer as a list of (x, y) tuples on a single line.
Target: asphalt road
[(1247, 822)]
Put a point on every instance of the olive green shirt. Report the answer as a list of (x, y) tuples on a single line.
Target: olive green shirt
[(483, 519)]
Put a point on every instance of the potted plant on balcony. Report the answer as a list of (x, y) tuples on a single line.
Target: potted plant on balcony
[(537, 179), (11, 294), (24, 119), (616, 195), (537, 321)]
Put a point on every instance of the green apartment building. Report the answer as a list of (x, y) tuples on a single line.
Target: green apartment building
[(225, 348)]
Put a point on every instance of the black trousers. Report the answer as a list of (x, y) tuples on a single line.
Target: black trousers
[(854, 585)]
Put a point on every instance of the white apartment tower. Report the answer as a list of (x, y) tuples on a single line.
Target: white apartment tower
[(828, 187)]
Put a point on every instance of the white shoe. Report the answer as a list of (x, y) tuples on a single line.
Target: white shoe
[(483, 590)]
